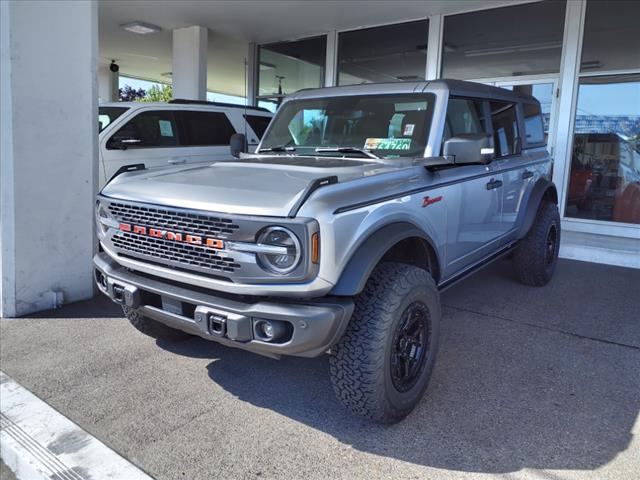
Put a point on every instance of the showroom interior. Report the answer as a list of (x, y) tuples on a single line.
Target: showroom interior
[(580, 58)]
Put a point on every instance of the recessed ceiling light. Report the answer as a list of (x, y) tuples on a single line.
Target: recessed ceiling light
[(140, 28)]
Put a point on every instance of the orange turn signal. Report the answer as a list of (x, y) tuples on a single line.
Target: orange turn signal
[(315, 248)]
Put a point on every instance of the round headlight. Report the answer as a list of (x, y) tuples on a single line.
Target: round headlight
[(285, 255)]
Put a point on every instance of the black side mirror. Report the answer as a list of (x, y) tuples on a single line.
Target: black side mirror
[(469, 148), (238, 144)]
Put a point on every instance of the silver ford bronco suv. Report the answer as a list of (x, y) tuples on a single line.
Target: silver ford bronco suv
[(360, 205)]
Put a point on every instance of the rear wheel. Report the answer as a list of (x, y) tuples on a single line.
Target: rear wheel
[(381, 367), (153, 328), (536, 257)]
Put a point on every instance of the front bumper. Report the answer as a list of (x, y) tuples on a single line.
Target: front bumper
[(312, 326)]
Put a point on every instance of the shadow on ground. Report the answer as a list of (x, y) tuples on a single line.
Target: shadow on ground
[(98, 307), (504, 395)]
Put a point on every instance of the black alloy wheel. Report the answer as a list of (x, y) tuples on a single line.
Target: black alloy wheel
[(410, 346)]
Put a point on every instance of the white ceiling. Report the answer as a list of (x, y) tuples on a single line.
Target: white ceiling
[(233, 24)]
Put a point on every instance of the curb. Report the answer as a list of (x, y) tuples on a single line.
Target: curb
[(38, 442)]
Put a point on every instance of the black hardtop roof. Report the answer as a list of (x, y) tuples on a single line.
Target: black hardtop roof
[(455, 87), (183, 101), (475, 89)]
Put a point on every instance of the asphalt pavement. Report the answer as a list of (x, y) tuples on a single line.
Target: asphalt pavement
[(530, 383)]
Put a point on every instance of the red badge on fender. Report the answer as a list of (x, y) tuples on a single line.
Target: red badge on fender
[(428, 200)]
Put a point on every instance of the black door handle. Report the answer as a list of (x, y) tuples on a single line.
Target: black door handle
[(527, 174), (494, 184)]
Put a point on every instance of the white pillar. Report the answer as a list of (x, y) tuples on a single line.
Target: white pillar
[(434, 47), (49, 153), (190, 63), (252, 72), (108, 84), (331, 64), (569, 69)]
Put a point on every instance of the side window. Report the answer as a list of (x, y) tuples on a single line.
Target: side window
[(533, 124), (464, 116), (505, 128), (258, 123), (204, 128), (147, 130)]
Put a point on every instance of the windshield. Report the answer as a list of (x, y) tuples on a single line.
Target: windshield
[(384, 125), (106, 115)]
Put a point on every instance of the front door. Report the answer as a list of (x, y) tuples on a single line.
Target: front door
[(474, 203)]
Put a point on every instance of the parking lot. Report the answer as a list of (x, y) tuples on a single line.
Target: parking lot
[(529, 383)]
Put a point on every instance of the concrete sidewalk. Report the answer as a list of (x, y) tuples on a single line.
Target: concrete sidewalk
[(529, 383)]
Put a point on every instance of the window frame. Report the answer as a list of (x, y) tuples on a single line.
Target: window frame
[(517, 106), (429, 97), (526, 145), (487, 113)]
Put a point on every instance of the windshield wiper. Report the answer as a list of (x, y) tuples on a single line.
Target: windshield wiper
[(278, 148), (367, 153)]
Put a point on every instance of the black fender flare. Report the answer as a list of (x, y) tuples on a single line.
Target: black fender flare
[(542, 189), (370, 252)]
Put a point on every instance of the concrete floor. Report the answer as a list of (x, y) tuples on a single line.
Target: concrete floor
[(529, 383), (5, 472)]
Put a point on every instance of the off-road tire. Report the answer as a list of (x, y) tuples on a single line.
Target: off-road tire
[(360, 364), (153, 328), (534, 260)]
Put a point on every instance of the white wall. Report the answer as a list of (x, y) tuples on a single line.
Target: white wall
[(49, 153)]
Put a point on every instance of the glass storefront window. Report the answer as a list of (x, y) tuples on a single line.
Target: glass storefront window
[(604, 178), (611, 36), (504, 42), (390, 53), (287, 67)]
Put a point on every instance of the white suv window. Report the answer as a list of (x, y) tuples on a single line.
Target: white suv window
[(156, 128)]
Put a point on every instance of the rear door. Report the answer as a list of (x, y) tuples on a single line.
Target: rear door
[(507, 141)]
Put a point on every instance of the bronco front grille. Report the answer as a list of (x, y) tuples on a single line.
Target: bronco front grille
[(188, 255), (194, 223), (194, 257)]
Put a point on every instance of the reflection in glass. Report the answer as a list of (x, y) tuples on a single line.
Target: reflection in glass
[(390, 53), (604, 179), (611, 36), (504, 42), (290, 66)]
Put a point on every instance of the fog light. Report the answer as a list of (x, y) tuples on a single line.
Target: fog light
[(269, 330)]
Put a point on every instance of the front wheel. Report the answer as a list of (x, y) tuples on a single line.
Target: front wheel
[(536, 257), (381, 366)]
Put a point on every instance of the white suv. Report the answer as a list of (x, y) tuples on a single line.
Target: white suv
[(165, 134)]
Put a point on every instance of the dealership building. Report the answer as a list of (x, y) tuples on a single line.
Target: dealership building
[(579, 58)]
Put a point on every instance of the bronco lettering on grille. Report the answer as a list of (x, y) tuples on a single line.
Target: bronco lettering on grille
[(173, 236)]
